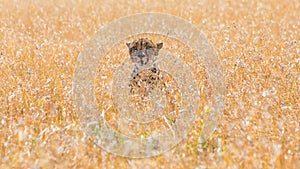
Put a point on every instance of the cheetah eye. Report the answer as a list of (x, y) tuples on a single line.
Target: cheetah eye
[(133, 50)]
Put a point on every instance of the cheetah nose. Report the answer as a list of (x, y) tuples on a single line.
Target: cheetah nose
[(141, 55)]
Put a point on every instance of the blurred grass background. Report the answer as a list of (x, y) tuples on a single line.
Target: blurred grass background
[(258, 44)]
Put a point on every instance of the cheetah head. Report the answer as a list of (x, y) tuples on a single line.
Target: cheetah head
[(143, 50)]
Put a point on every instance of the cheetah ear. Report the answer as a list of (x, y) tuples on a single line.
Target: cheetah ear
[(159, 45), (128, 44)]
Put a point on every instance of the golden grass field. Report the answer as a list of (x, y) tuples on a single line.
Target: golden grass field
[(258, 45)]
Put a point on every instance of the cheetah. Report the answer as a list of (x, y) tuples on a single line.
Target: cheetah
[(146, 75), (143, 54)]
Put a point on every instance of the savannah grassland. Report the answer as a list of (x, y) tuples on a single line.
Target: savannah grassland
[(258, 45)]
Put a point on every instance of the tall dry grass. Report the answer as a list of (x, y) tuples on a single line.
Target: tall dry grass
[(258, 44)]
